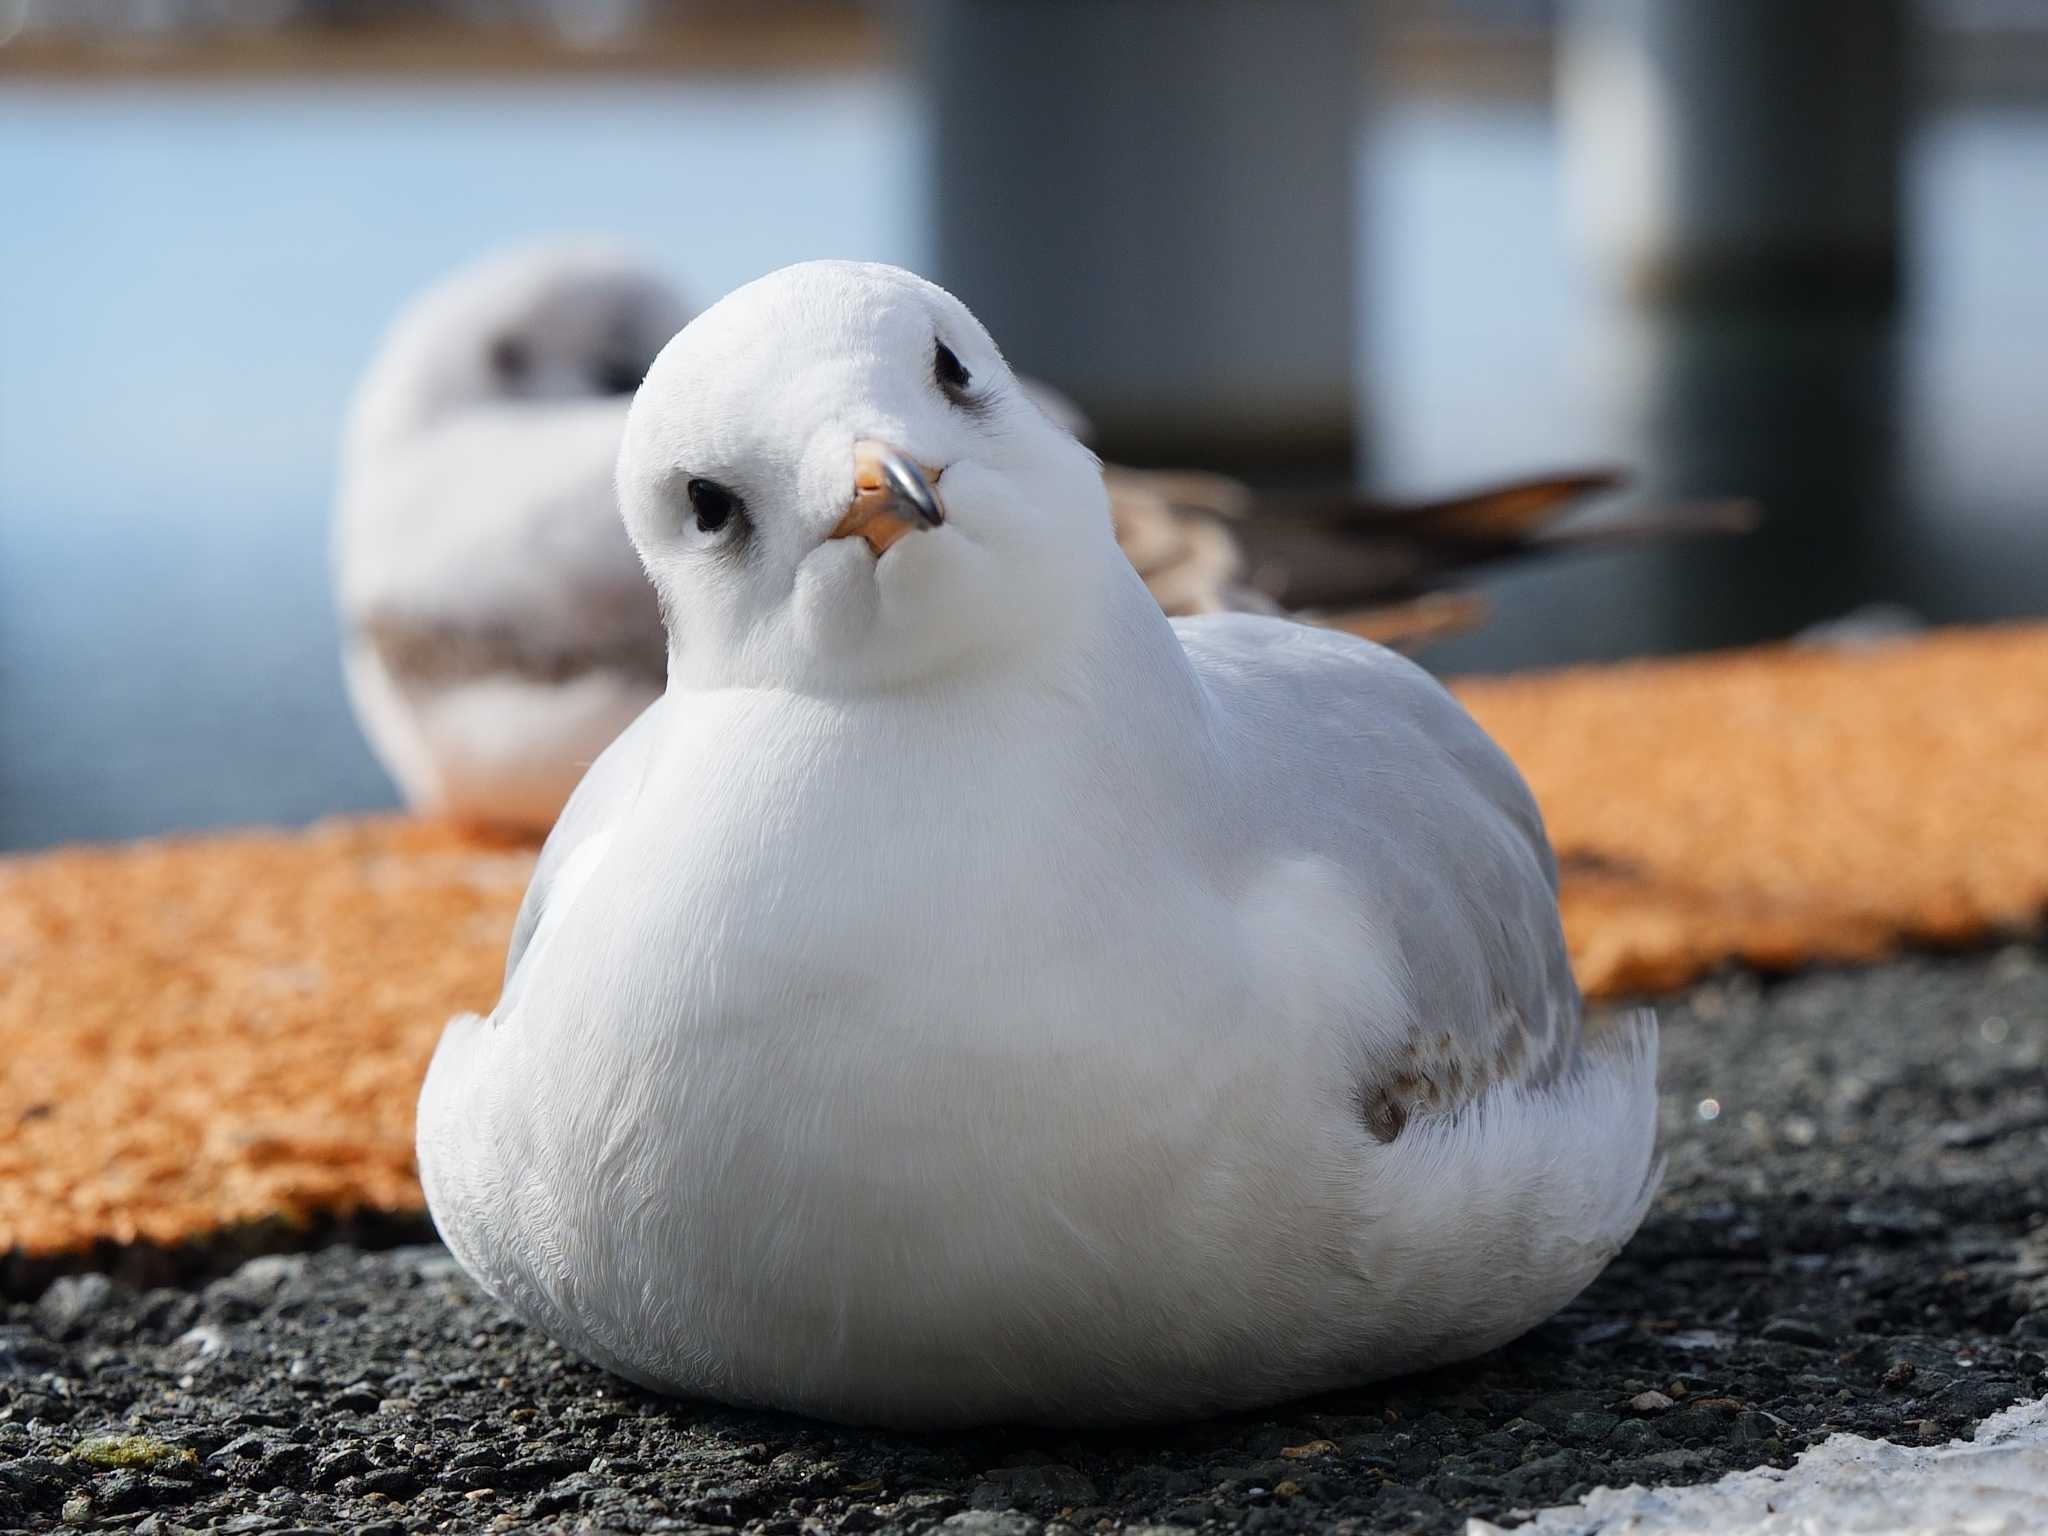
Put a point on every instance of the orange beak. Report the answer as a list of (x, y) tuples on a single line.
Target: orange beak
[(892, 495)]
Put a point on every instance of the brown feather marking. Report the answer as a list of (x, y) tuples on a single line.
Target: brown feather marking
[(1507, 512), (1433, 1075), (1170, 527)]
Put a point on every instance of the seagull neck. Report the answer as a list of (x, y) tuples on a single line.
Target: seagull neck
[(1125, 694), (1119, 691)]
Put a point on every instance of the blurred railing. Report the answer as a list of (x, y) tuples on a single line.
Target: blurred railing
[(1499, 48), (460, 37)]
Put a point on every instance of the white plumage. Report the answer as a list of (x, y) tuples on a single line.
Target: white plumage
[(969, 995)]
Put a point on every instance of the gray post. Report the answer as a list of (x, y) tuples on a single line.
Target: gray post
[(1746, 149), (1152, 205)]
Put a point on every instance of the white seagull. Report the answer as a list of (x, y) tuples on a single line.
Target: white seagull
[(499, 631), (969, 995)]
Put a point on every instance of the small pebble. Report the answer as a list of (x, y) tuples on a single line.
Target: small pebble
[(71, 1302), (1649, 1402), (143, 1452)]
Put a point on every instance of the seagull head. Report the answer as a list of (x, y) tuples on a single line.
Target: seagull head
[(571, 320), (835, 482)]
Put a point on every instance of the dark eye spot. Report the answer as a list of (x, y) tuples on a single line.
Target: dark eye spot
[(614, 376), (714, 505), (510, 360), (951, 373)]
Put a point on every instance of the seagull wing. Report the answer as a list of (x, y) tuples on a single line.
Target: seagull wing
[(1358, 763)]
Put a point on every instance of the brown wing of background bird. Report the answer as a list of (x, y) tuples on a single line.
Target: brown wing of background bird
[(1206, 542), (1320, 553)]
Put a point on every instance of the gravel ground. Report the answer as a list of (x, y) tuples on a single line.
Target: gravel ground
[(1851, 1236)]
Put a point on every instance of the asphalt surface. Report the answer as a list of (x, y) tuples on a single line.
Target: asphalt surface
[(1853, 1235)]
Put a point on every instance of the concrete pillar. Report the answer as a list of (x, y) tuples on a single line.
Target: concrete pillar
[(1744, 149), (1152, 205), (1798, 412)]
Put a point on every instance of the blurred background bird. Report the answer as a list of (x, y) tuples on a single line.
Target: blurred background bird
[(498, 631)]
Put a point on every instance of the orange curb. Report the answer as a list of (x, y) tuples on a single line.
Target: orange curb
[(209, 1034), (1781, 807)]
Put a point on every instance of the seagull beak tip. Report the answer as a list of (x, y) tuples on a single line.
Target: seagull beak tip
[(892, 496)]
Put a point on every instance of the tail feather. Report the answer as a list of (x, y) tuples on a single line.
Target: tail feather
[(1517, 510), (1681, 519)]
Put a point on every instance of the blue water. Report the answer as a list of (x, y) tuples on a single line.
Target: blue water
[(190, 280)]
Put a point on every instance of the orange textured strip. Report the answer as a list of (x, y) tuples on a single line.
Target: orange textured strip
[(210, 1032), (203, 1034), (1781, 806)]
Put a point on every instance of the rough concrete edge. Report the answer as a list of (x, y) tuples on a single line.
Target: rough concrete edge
[(193, 1261)]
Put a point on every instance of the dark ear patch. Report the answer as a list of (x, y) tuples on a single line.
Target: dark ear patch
[(510, 360), (616, 376)]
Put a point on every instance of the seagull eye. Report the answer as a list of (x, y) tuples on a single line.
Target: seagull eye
[(951, 373), (510, 360), (714, 505)]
